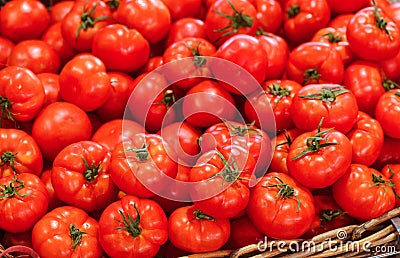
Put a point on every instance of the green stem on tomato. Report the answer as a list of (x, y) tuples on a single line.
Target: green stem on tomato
[(130, 225), (91, 170), (12, 189), (199, 215), (285, 191), (8, 158), (76, 235)]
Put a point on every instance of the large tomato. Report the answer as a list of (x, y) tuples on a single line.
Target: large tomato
[(269, 15), (66, 232), (387, 111), (278, 202), (185, 28), (133, 227)]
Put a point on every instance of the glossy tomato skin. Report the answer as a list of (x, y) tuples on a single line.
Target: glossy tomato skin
[(23, 19), (22, 209), (271, 212), (392, 171), (150, 17), (340, 22), (363, 26), (58, 125), (85, 165), (342, 6), (304, 18), (85, 82), (51, 235), (364, 193), (391, 67), (22, 150), (386, 112), (183, 9), (367, 138), (307, 112), (59, 10), (269, 15), (51, 86), (186, 27), (118, 241), (6, 46), (315, 62), (193, 231)]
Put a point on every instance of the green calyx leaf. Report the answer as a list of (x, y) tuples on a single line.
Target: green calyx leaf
[(332, 38), (142, 154), (129, 224), (199, 215), (76, 235), (91, 170), (381, 23), (285, 191), (293, 11), (11, 190), (327, 94)]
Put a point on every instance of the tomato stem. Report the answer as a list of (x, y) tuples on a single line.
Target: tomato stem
[(288, 139), (5, 106), (332, 38), (130, 225), (285, 191), (230, 172), (378, 180), (198, 59), (8, 158), (113, 4), (328, 214), (327, 94), (311, 74), (88, 21), (242, 130), (168, 98), (293, 10), (76, 235), (142, 154), (381, 23), (390, 85), (12, 189), (91, 171), (199, 215), (393, 184), (277, 90)]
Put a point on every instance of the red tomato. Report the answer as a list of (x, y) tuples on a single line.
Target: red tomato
[(340, 22), (151, 64), (194, 231), (58, 125), (84, 82), (243, 233), (392, 171), (304, 18), (391, 67), (367, 138), (51, 87), (387, 111), (225, 19), (343, 6), (19, 153), (364, 193), (315, 62), (394, 12), (66, 232), (309, 106), (54, 202), (59, 10), (183, 8), (121, 49), (6, 47), (24, 200), (390, 153), (23, 19), (269, 15), (291, 207), (372, 22), (133, 227), (186, 27), (150, 17)]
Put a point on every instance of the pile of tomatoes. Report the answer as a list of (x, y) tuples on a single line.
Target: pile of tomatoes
[(85, 171)]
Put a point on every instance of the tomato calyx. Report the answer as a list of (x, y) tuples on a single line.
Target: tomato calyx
[(230, 172), (285, 191), (198, 59), (8, 158), (142, 154), (327, 94), (397, 94), (130, 225), (5, 106), (12, 189), (88, 21), (381, 23), (393, 184), (293, 10), (332, 38), (113, 4), (76, 235), (277, 90), (242, 130), (168, 98), (288, 139), (378, 180), (91, 170), (238, 19), (390, 85), (311, 74), (316, 142), (199, 215), (329, 215)]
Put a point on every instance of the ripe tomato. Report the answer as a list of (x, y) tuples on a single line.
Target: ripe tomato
[(84, 82), (51, 86), (150, 17), (151, 64), (54, 202), (194, 231), (364, 193), (21, 94), (243, 233), (6, 47), (392, 171), (390, 153), (23, 201), (391, 68), (340, 22), (85, 165), (304, 18), (66, 232), (133, 227), (184, 28), (291, 207), (372, 22), (367, 138), (315, 62), (183, 8), (387, 111), (343, 6), (225, 19), (121, 49), (19, 153), (23, 19), (269, 15), (59, 10)]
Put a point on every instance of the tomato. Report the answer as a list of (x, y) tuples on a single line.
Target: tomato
[(225, 19), (342, 6), (51, 87), (269, 15), (315, 62), (208, 103), (317, 159), (276, 97), (392, 171), (54, 202), (186, 27), (277, 202), (364, 193), (183, 8), (151, 64), (115, 105), (282, 145), (59, 10), (367, 140), (84, 20), (19, 153), (23, 19), (304, 18), (84, 82), (133, 227), (243, 233), (194, 231), (58, 125), (387, 109), (391, 67), (394, 11), (66, 232), (24, 200), (142, 164), (340, 22), (372, 22), (21, 94), (6, 47), (15, 239), (113, 132), (150, 17), (121, 49), (85, 165), (390, 153), (328, 216)]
